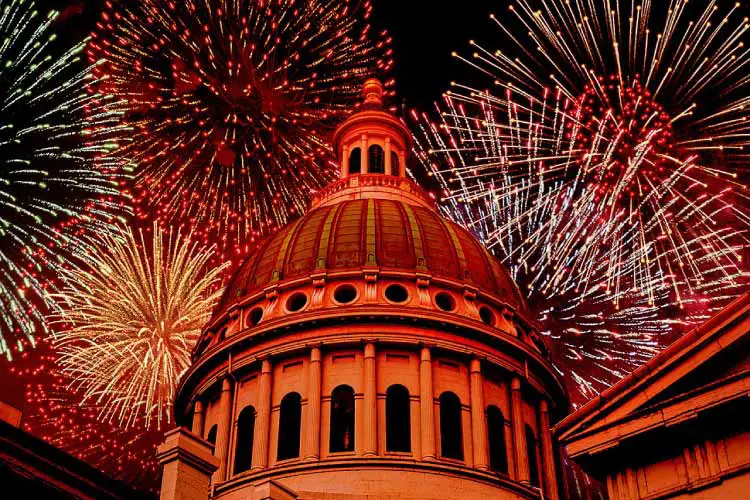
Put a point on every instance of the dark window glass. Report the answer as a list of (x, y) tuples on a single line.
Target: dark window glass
[(290, 421), (376, 160), (243, 451), (451, 439), (531, 452), (211, 436), (355, 161), (342, 419), (397, 419), (496, 438), (395, 169)]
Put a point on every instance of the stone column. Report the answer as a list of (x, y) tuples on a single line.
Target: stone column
[(478, 420), (370, 402), (263, 421), (199, 418), (225, 426), (387, 152), (427, 406), (187, 465), (312, 436), (345, 162), (548, 454), (402, 165), (519, 435), (365, 158)]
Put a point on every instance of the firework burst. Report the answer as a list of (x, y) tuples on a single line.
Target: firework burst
[(604, 168), (52, 129), (129, 318), (231, 102)]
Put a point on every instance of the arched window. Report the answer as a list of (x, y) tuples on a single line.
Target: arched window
[(243, 451), (451, 439), (397, 419), (375, 160), (290, 421), (395, 169), (531, 453), (342, 419), (355, 161), (211, 436), (496, 438)]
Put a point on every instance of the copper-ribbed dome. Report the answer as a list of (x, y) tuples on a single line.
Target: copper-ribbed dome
[(389, 234)]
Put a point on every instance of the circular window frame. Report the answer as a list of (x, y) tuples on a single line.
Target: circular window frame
[(437, 299), (392, 286), (251, 322), (289, 302), (345, 287), (491, 317)]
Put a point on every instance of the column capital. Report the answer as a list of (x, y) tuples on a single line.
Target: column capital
[(425, 353), (265, 366), (515, 384), (315, 354), (369, 349), (226, 384), (475, 365)]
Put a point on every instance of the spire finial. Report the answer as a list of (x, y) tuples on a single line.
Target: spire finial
[(373, 92)]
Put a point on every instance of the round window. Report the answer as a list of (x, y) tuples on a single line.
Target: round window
[(345, 294), (487, 315), (255, 316), (445, 301), (396, 293), (296, 302)]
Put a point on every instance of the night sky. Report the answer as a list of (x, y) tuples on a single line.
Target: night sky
[(424, 34)]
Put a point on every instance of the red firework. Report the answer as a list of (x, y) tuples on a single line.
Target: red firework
[(230, 104)]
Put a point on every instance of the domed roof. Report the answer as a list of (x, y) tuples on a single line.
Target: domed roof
[(387, 234)]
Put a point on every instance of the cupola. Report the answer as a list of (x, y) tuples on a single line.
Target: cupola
[(372, 141)]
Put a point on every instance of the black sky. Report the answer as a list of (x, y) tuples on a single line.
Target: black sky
[(424, 34)]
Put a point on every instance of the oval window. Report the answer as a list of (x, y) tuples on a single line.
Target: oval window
[(345, 294), (255, 316), (296, 302), (487, 315), (396, 293), (445, 301)]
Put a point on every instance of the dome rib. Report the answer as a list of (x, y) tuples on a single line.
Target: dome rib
[(384, 232)]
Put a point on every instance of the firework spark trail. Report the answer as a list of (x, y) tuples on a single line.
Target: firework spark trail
[(53, 131), (231, 103), (128, 319), (604, 169)]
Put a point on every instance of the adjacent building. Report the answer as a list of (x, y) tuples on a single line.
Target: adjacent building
[(33, 469), (679, 426)]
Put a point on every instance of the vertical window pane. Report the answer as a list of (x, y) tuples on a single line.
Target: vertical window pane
[(376, 160), (397, 419), (496, 438), (342, 419), (395, 167), (451, 439), (290, 421), (355, 161), (243, 451)]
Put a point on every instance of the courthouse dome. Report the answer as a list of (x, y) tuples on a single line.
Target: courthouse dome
[(373, 346), (389, 234)]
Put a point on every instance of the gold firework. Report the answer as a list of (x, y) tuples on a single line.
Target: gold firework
[(128, 318)]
